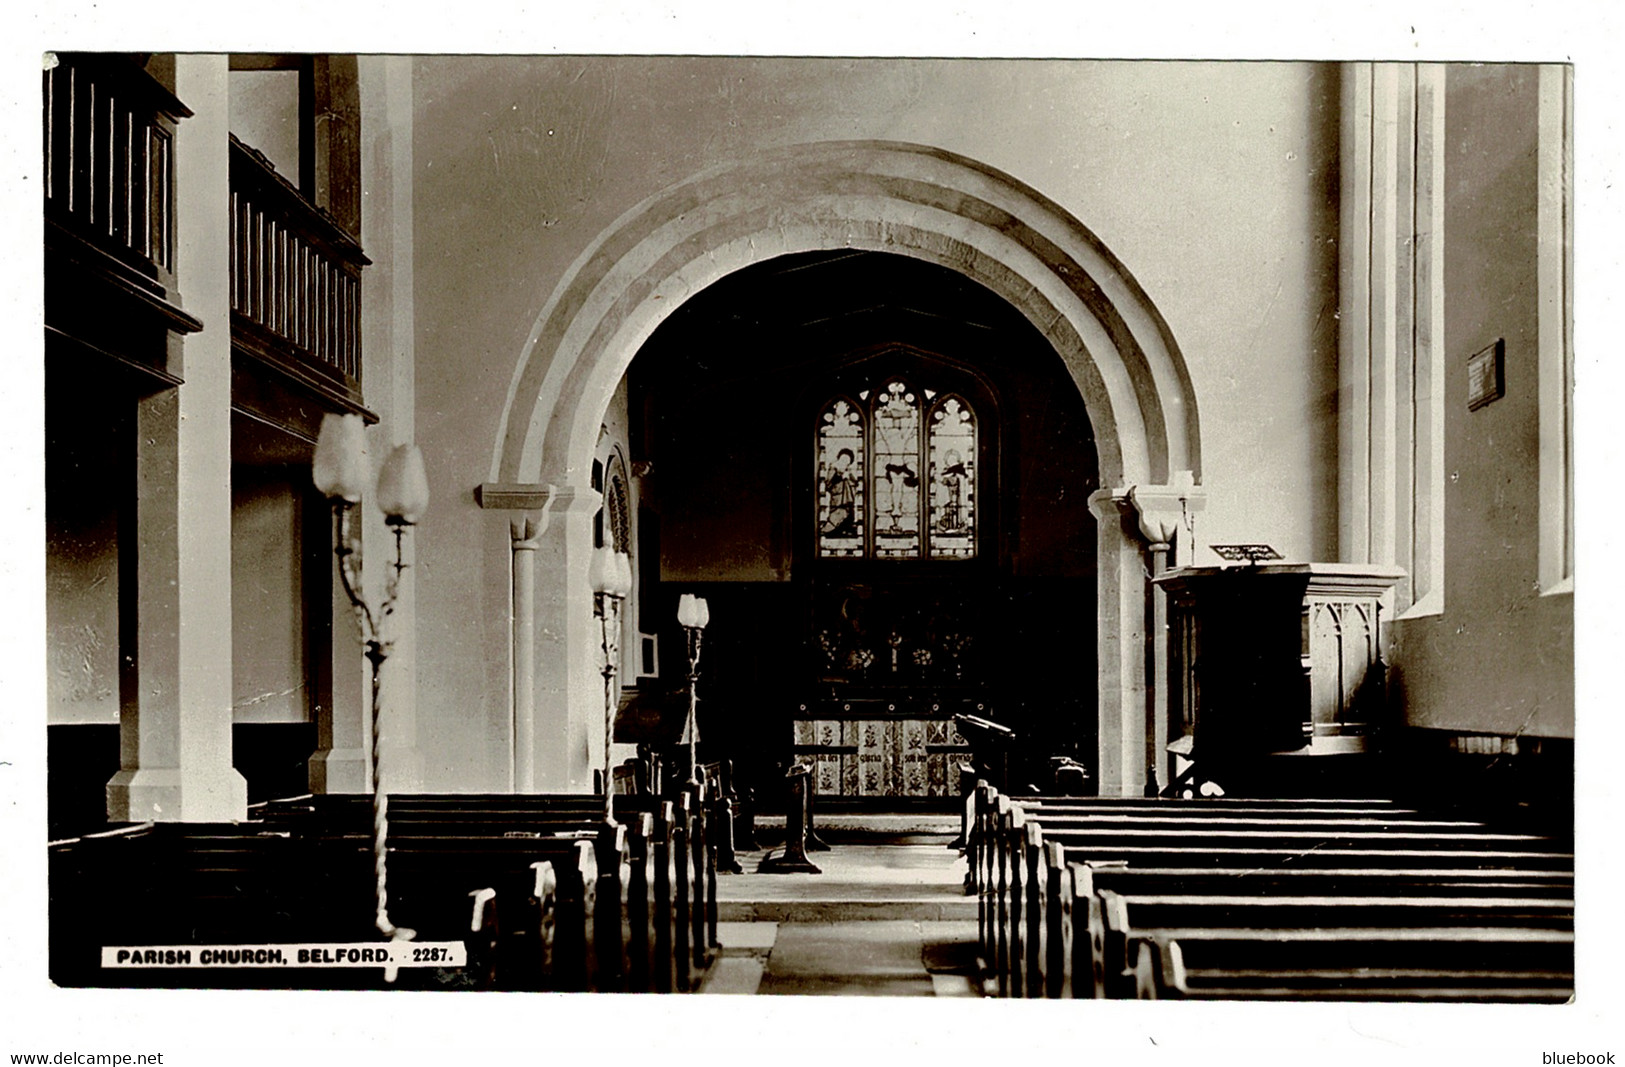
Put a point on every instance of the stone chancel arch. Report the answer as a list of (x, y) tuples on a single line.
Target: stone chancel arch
[(878, 196)]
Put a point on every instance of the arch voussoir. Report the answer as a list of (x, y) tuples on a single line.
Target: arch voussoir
[(905, 199)]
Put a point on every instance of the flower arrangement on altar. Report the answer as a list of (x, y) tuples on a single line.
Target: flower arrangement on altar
[(826, 642), (955, 644)]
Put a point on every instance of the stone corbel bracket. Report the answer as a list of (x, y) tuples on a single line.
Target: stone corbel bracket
[(1163, 510)]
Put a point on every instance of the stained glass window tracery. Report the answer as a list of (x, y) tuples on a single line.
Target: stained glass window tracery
[(897, 475)]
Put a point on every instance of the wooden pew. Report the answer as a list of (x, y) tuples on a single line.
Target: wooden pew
[(438, 852), (984, 811), (1026, 933), (1158, 919), (1218, 829), (1450, 963), (689, 855), (1284, 844), (722, 808), (438, 847), (998, 838), (204, 884), (1071, 907)]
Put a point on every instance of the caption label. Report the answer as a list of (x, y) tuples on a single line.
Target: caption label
[(382, 954)]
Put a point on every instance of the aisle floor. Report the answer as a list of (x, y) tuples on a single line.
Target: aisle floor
[(881, 920)]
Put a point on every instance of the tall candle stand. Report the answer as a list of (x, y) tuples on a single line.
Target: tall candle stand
[(693, 614), (342, 472), (611, 575), (377, 649)]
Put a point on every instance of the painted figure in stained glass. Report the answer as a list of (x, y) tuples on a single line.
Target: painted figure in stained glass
[(898, 499), (841, 520), (954, 477), (952, 448), (896, 471), (840, 480)]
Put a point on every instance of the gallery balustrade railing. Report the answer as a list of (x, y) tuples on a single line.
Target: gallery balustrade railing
[(295, 273), (109, 159)]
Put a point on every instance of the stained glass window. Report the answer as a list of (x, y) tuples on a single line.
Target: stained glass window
[(952, 444), (840, 481), (901, 483), (617, 507), (896, 472)]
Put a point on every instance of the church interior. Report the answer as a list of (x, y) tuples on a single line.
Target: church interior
[(1024, 528)]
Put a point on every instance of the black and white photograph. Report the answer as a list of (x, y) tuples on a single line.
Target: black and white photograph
[(672, 510)]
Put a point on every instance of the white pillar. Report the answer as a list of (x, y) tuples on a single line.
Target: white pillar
[(1165, 514), (175, 593), (342, 762), (569, 687), (1120, 644), (389, 384), (524, 532)]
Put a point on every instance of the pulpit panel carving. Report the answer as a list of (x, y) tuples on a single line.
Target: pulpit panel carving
[(1342, 649), (1279, 657)]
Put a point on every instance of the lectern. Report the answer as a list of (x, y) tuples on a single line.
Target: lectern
[(1275, 659)]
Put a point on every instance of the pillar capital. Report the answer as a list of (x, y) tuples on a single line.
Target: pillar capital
[(1108, 503), (543, 498), (1163, 510), (524, 529)]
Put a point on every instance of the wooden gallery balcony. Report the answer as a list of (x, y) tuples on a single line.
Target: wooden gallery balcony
[(109, 130), (295, 300)]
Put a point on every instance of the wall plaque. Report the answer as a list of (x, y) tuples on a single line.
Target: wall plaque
[(1486, 375)]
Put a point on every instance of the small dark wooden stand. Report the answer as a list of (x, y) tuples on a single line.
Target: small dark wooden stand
[(967, 786), (794, 860), (814, 842), (990, 744)]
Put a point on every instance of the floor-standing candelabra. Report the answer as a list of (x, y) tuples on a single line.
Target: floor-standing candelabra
[(611, 577), (342, 472), (693, 614)]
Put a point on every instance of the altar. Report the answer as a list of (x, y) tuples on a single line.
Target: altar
[(864, 748)]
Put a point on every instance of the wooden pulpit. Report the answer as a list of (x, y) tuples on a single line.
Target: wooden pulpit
[(1273, 659)]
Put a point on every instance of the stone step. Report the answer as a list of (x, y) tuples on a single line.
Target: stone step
[(860, 880), (829, 911), (866, 825)]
